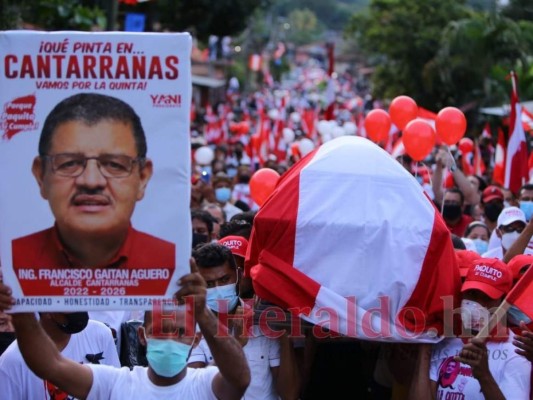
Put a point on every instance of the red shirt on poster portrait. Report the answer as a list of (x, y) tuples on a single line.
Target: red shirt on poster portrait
[(44, 250)]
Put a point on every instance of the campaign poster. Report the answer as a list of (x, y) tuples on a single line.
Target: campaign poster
[(94, 168)]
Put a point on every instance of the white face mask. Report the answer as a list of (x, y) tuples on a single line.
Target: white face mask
[(508, 239), (474, 315)]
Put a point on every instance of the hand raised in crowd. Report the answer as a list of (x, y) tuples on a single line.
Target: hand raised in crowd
[(6, 299), (475, 354), (193, 285), (524, 342), (443, 158)]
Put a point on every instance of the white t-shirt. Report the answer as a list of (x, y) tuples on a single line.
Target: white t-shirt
[(262, 353), (455, 381), (18, 382), (231, 210), (122, 383)]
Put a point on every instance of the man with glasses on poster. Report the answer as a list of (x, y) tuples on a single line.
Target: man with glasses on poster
[(92, 169)]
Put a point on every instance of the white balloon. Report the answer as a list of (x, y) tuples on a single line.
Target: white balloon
[(273, 113), (326, 138), (295, 117), (337, 131), (322, 127), (288, 135), (306, 146), (204, 155), (350, 128)]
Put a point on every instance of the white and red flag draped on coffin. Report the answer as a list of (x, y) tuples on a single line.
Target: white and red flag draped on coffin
[(349, 238)]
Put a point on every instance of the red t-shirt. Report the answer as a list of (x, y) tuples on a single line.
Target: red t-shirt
[(460, 227)]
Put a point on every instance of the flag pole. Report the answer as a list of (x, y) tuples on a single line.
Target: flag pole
[(494, 320)]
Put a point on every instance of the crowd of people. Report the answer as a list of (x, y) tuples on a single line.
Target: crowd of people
[(79, 355)]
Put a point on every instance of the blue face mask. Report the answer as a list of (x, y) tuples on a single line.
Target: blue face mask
[(219, 295), (527, 208), (223, 194), (481, 245), (166, 356)]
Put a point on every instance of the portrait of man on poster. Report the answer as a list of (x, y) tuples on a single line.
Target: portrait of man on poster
[(92, 168)]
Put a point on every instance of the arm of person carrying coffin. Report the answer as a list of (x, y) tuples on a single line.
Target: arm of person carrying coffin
[(421, 386)]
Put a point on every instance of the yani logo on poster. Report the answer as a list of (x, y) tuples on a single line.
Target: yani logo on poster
[(166, 100)]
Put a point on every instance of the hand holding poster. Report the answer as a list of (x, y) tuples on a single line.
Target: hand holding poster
[(95, 165)]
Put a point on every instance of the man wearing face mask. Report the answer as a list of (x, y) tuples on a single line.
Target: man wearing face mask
[(75, 336), (272, 361), (223, 185), (168, 343), (452, 212), (490, 369), (511, 223), (491, 205), (202, 227), (525, 199)]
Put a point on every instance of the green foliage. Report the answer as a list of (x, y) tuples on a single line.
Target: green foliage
[(207, 17), (332, 14), (9, 15), (304, 26), (472, 55), (519, 10), (54, 14), (402, 37)]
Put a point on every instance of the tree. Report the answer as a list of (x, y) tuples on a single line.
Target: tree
[(52, 14), (304, 26), (401, 37), (519, 10), (207, 17), (474, 54)]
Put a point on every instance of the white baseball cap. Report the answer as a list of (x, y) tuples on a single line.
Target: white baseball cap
[(510, 215)]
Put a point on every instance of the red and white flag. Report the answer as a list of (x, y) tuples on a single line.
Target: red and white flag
[(255, 62), (349, 241), (498, 172), (516, 159), (527, 121)]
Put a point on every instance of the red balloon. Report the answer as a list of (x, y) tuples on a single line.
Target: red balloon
[(403, 110), (419, 139), (450, 125), (466, 145), (377, 125), (262, 184)]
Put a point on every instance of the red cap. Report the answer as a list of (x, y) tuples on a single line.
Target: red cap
[(465, 259), (491, 193), (489, 275), (237, 244), (519, 262)]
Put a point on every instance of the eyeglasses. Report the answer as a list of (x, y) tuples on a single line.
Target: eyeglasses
[(72, 165)]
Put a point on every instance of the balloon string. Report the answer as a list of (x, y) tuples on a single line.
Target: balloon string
[(454, 164), (451, 156)]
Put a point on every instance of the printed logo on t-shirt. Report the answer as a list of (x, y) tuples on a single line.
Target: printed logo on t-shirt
[(452, 379), (55, 393)]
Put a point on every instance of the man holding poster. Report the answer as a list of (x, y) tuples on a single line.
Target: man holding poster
[(92, 169)]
